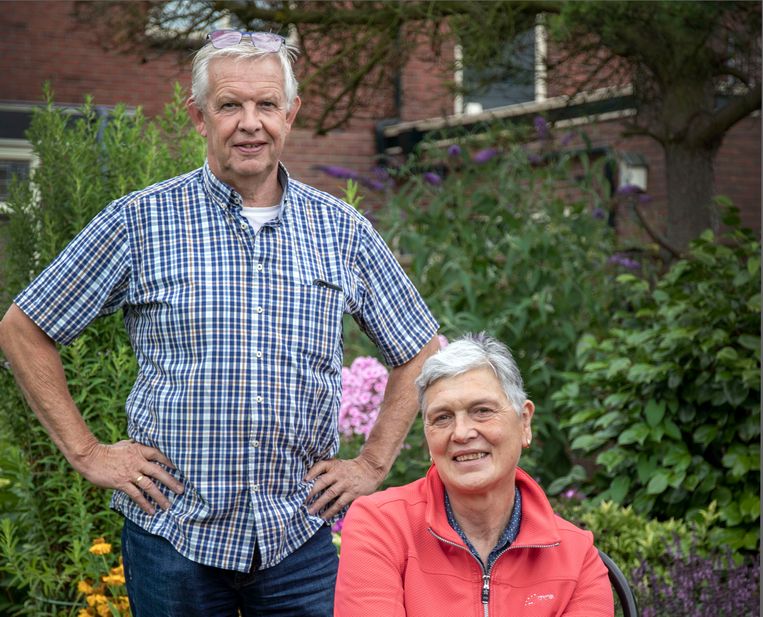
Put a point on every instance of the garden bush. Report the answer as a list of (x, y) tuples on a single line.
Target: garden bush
[(669, 399), (502, 240), (50, 513)]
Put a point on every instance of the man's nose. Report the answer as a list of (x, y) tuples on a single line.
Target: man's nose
[(249, 121)]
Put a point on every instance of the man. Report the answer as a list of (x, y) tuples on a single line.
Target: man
[(233, 280)]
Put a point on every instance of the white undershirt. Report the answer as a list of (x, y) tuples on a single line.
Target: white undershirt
[(258, 216)]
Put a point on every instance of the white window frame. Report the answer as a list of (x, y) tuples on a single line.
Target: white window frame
[(540, 73), (17, 150)]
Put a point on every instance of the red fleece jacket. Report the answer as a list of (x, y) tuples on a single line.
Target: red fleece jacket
[(401, 558)]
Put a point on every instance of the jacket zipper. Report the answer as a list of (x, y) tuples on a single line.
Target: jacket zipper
[(486, 573)]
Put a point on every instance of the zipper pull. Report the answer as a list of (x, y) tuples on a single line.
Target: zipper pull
[(485, 588)]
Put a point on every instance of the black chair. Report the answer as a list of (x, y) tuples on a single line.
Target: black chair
[(621, 587)]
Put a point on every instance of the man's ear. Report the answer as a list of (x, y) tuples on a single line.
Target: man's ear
[(291, 116), (197, 116)]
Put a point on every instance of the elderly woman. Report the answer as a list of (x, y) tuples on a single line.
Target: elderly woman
[(477, 535)]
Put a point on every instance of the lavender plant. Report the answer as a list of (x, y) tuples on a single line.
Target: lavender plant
[(716, 585)]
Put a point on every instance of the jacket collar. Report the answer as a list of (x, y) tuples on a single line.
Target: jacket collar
[(538, 526)]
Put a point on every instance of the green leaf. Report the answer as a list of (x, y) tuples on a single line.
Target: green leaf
[(726, 354), (705, 434), (654, 412), (657, 484), (749, 341), (672, 430), (619, 488), (635, 434)]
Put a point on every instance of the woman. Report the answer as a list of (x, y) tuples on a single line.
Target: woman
[(476, 536)]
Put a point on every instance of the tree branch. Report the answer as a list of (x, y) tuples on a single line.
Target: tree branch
[(721, 121)]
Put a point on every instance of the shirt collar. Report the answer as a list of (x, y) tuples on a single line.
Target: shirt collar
[(508, 536), (227, 197)]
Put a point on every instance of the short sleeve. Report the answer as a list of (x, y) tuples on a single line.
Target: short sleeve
[(89, 278), (392, 313)]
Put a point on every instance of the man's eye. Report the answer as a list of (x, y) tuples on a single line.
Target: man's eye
[(483, 412), (441, 419), (228, 106)]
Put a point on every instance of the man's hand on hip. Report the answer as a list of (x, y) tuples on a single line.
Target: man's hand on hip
[(338, 482), (130, 467)]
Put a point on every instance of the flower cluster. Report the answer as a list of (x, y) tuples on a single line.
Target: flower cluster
[(108, 596), (700, 586), (363, 386)]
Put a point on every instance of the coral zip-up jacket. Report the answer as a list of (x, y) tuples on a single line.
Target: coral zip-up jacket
[(401, 558)]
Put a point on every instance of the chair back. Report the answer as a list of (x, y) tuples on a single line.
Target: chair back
[(621, 587)]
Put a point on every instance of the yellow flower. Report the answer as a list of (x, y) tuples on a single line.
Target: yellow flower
[(113, 580), (84, 587), (100, 547), (104, 610), (96, 599), (85, 612), (123, 604)]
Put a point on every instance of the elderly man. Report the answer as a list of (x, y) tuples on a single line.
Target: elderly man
[(233, 280), (477, 536)]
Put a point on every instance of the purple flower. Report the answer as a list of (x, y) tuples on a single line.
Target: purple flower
[(629, 189), (443, 341), (337, 527), (644, 198), (335, 171), (541, 128), (534, 159), (624, 261), (433, 178), (371, 183), (454, 150), (599, 213), (483, 156), (566, 139)]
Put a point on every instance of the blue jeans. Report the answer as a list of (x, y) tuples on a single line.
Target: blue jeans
[(163, 583)]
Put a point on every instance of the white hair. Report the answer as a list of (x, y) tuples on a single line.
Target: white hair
[(244, 50), (474, 351)]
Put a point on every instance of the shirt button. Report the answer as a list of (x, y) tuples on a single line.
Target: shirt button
[(260, 267), (255, 444), (244, 226), (260, 309), (258, 354), (256, 488), (258, 399)]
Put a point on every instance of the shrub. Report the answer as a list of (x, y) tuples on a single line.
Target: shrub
[(669, 398), (86, 160), (497, 242)]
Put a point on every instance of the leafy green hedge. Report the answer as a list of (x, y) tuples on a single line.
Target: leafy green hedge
[(51, 514), (496, 242), (669, 399)]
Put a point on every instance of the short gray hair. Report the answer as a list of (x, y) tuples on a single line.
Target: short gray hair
[(244, 50), (474, 351)]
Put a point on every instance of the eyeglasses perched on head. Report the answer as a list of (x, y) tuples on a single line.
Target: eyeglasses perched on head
[(265, 41)]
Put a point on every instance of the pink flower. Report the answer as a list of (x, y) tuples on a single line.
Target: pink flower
[(443, 341), (363, 385)]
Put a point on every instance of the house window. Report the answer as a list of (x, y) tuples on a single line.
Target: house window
[(16, 159), (492, 86)]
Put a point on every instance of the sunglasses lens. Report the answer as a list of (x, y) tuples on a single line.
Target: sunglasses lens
[(266, 41), (225, 38)]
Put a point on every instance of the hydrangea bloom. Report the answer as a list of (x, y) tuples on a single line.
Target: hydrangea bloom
[(363, 386)]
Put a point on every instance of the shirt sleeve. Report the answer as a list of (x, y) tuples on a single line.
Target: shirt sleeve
[(89, 278), (393, 314), (370, 576)]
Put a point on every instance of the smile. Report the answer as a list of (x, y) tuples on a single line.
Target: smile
[(469, 457)]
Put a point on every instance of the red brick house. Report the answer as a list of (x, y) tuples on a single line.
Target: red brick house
[(41, 41)]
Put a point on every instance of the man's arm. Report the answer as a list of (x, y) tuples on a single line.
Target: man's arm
[(39, 372), (341, 481)]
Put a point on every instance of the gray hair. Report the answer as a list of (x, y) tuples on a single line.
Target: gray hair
[(474, 351), (244, 50)]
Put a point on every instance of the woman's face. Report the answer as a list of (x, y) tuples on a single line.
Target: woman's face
[(474, 434)]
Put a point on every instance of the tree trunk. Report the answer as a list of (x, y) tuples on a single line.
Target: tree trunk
[(691, 210)]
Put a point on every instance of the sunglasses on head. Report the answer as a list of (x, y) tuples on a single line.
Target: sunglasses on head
[(265, 41)]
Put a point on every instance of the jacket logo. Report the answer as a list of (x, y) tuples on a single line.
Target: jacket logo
[(536, 598)]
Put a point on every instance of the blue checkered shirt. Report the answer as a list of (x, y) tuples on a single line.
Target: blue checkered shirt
[(238, 338)]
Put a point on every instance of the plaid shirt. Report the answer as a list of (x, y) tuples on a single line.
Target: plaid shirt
[(238, 337)]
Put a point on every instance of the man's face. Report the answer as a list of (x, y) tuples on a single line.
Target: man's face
[(474, 434), (245, 121)]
